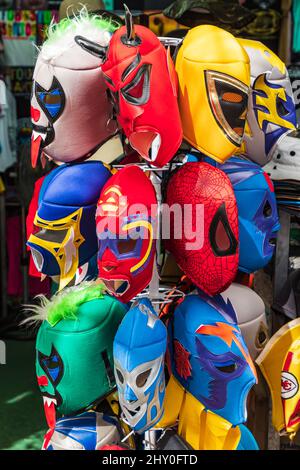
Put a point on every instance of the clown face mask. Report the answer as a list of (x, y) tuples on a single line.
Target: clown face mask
[(214, 78), (69, 107), (125, 221), (257, 209), (142, 82), (75, 325), (204, 243), (209, 356), (271, 112), (65, 236), (139, 349)]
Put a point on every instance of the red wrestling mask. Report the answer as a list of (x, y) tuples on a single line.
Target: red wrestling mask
[(140, 75), (125, 222), (207, 247)]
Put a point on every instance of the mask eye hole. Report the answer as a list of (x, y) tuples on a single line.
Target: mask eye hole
[(137, 92), (126, 246), (222, 239), (267, 210), (281, 109), (142, 378), (120, 376), (232, 97), (56, 236), (227, 368)]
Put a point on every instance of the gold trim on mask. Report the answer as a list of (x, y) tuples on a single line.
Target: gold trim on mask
[(210, 79), (65, 252)]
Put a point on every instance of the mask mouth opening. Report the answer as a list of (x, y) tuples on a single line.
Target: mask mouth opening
[(272, 241), (116, 286), (133, 412), (147, 143)]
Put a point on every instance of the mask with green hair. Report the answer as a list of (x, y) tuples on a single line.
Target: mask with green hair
[(70, 111), (74, 359)]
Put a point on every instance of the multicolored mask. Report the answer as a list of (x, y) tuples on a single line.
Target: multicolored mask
[(125, 221), (251, 316), (209, 356), (141, 78), (87, 431), (271, 112), (279, 363), (214, 78), (65, 238), (74, 362), (204, 241), (70, 110), (257, 208), (139, 349)]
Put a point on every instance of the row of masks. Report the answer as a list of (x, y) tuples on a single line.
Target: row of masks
[(223, 95)]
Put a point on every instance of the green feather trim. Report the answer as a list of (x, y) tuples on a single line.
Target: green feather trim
[(65, 306)]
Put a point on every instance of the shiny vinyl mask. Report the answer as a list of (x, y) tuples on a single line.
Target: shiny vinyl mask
[(214, 78), (257, 209), (139, 349), (142, 81), (65, 238), (68, 91), (125, 221), (271, 112), (212, 266), (209, 356)]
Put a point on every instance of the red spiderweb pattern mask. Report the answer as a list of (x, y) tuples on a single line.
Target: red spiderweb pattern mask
[(141, 77), (125, 221), (213, 266)]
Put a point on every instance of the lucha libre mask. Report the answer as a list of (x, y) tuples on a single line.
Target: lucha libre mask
[(141, 78), (213, 74), (257, 209), (271, 112), (80, 319), (209, 356), (125, 221), (139, 349), (69, 90), (87, 431), (65, 236), (204, 242), (251, 316), (279, 363)]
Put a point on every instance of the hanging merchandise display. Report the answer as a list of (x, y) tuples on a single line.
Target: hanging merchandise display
[(279, 363), (126, 229), (139, 349), (214, 78), (81, 319), (141, 78), (206, 244), (65, 233), (271, 114), (69, 90), (257, 212), (150, 341)]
